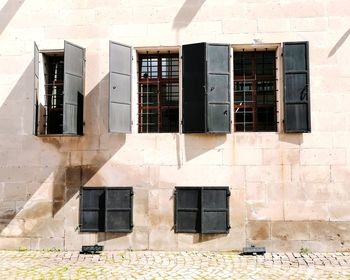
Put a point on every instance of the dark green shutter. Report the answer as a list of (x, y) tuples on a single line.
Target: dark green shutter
[(187, 209), (120, 58), (206, 88), (36, 89), (119, 209), (218, 88), (194, 87), (215, 211), (92, 209), (296, 87), (73, 97)]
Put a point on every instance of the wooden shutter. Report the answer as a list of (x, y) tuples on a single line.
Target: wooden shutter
[(36, 89), (296, 87), (73, 91), (120, 58), (119, 209), (218, 88), (92, 209), (215, 210), (194, 86), (187, 209)]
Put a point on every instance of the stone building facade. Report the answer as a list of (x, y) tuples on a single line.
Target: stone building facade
[(288, 190)]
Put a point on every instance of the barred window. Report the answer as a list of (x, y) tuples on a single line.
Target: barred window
[(255, 91), (158, 97)]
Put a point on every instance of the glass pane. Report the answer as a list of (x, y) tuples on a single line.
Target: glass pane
[(170, 67), (169, 94), (149, 68)]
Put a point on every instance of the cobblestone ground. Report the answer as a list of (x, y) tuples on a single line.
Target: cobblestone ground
[(171, 265)]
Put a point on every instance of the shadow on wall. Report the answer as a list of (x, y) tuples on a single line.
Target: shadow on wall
[(339, 43), (8, 11), (39, 175), (185, 15)]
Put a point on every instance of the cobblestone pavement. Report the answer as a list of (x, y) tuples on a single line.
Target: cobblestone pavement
[(171, 265)]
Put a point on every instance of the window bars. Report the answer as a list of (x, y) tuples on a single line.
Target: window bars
[(158, 96)]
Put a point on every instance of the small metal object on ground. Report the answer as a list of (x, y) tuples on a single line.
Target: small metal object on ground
[(91, 249), (253, 250)]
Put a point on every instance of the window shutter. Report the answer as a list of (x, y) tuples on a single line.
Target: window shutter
[(187, 209), (119, 209), (73, 97), (120, 58), (194, 86), (218, 88), (215, 211), (92, 209), (36, 88), (296, 87)]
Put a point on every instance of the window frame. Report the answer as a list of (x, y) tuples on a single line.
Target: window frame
[(158, 81)]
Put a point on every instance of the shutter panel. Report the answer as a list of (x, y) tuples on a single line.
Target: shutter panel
[(73, 97), (218, 88), (120, 58), (92, 209), (194, 86), (215, 214), (36, 89), (187, 209), (119, 209), (296, 87)]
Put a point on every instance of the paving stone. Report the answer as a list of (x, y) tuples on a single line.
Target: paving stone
[(171, 265)]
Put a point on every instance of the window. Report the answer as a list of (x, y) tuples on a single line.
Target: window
[(202, 209), (106, 209), (255, 91), (58, 91), (158, 93)]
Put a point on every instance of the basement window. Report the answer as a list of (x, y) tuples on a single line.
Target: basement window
[(255, 91), (58, 91), (158, 92), (202, 209), (106, 209)]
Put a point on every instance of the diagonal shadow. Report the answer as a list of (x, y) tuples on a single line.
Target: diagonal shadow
[(40, 175), (185, 15), (339, 43), (8, 12)]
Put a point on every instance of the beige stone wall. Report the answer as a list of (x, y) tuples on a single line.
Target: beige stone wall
[(288, 190)]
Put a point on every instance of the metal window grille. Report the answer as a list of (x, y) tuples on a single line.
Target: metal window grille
[(158, 97), (255, 91)]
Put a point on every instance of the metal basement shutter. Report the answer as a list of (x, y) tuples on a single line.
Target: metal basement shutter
[(215, 211), (92, 209), (187, 215), (119, 209)]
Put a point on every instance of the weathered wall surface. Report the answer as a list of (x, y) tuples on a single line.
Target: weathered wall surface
[(288, 190)]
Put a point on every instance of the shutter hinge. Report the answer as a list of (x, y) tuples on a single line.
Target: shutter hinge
[(175, 192), (282, 54), (131, 192), (181, 57), (228, 227), (182, 122), (228, 193), (132, 225)]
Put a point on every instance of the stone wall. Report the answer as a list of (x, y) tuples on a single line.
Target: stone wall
[(287, 190)]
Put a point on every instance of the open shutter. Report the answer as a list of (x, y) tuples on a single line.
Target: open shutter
[(187, 209), (215, 213), (194, 86), (119, 209), (36, 89), (73, 91), (218, 88), (296, 87), (92, 209), (120, 57)]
